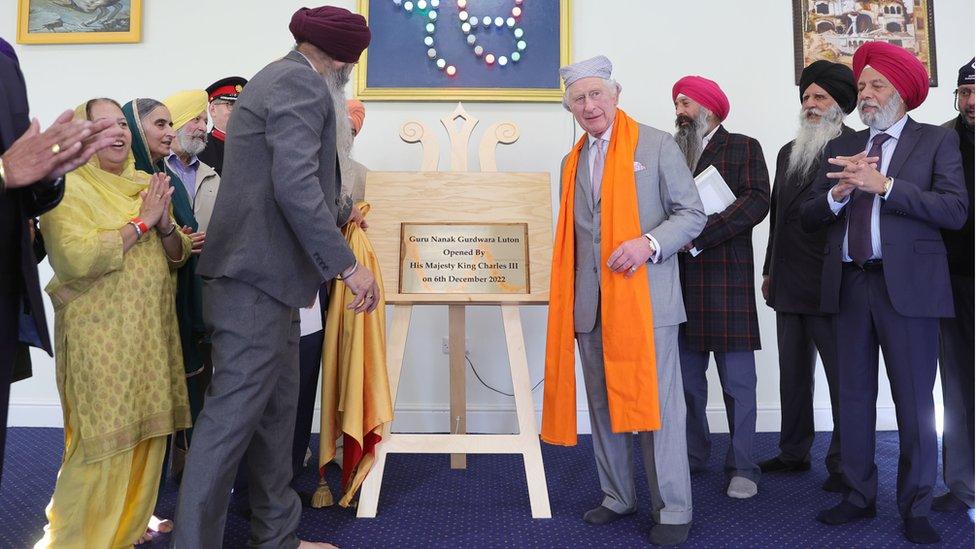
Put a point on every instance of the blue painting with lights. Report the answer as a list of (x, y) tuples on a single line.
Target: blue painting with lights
[(464, 44)]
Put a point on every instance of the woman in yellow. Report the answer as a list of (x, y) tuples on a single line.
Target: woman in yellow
[(114, 248)]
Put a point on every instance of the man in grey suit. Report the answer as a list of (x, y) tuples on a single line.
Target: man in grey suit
[(271, 242), (670, 215)]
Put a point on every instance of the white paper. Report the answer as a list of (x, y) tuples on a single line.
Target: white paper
[(713, 191), (311, 317)]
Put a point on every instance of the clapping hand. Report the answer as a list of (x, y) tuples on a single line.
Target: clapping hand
[(155, 202)]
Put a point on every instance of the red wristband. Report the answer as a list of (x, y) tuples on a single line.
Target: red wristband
[(141, 225)]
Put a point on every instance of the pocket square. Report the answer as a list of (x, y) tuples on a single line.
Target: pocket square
[(638, 167)]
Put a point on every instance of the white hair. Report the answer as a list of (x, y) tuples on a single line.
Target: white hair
[(811, 139), (610, 83), (885, 115)]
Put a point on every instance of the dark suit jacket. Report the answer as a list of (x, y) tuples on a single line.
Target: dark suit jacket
[(928, 195), (18, 264), (794, 257), (718, 286)]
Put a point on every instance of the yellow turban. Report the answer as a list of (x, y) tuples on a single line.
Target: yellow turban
[(185, 106), (357, 114)]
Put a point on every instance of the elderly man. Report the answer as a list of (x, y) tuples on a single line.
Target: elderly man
[(628, 205), (271, 244), (884, 194), (791, 273), (956, 334), (31, 165), (196, 186), (717, 280), (222, 96)]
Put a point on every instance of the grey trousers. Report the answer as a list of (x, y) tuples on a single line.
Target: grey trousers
[(664, 451), (249, 410), (956, 364)]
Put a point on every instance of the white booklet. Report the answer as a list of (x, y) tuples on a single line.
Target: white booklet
[(713, 190)]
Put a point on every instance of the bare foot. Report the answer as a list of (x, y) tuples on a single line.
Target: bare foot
[(162, 526), (302, 544)]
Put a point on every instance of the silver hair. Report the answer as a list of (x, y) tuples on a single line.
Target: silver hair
[(611, 85), (811, 139)]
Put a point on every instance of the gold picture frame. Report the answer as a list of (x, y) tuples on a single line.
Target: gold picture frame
[(78, 22), (365, 92)]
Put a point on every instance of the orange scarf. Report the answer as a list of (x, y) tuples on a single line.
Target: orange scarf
[(625, 306)]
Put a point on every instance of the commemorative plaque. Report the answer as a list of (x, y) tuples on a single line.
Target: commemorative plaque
[(457, 258)]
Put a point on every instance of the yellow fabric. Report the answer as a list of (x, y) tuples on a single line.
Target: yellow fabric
[(185, 106), (115, 329), (106, 504), (625, 305), (355, 384)]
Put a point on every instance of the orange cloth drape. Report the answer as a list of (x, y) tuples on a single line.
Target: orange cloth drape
[(625, 304), (356, 401)]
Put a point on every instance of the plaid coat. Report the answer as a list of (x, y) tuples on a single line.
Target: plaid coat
[(718, 285)]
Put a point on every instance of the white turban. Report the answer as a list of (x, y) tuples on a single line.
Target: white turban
[(598, 66)]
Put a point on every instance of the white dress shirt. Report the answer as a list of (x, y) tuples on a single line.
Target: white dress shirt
[(591, 158), (887, 151)]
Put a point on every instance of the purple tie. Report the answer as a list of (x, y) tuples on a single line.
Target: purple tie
[(598, 161), (859, 224)]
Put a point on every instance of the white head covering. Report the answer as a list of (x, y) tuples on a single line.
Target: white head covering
[(598, 66)]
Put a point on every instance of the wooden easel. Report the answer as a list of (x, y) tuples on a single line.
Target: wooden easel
[(469, 197)]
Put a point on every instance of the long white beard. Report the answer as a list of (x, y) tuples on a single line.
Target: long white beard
[(812, 138), (191, 145), (689, 138), (336, 82), (885, 116)]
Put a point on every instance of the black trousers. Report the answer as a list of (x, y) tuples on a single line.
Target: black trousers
[(799, 338), (9, 321)]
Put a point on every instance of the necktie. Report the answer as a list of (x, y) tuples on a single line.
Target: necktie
[(597, 178), (859, 225)]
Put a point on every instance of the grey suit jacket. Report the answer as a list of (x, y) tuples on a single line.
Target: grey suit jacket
[(670, 210), (274, 221)]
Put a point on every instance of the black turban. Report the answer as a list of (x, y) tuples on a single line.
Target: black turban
[(341, 34), (836, 79)]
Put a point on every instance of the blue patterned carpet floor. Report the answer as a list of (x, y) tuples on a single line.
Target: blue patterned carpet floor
[(426, 504)]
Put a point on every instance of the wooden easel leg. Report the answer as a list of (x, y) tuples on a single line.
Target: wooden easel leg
[(459, 420), (369, 492), (535, 473)]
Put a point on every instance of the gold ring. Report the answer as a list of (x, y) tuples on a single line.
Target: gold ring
[(158, 196), (55, 148)]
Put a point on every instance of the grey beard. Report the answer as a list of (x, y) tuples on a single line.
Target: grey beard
[(192, 146), (811, 140), (336, 82), (885, 116), (689, 138)]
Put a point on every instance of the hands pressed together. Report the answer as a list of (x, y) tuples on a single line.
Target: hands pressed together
[(859, 172)]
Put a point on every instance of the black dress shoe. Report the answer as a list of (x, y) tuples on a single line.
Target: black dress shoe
[(602, 515), (948, 503), (669, 534), (834, 483), (919, 530), (845, 512), (777, 465)]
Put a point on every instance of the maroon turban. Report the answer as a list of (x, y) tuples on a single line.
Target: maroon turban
[(341, 34), (704, 92), (900, 66)]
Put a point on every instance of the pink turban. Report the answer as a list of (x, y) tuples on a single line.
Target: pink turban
[(900, 66), (705, 92), (357, 114), (341, 34)]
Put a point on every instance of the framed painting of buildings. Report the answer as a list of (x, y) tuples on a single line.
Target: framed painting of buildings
[(834, 29), (78, 21), (476, 50)]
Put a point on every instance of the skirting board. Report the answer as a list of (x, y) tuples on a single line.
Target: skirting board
[(413, 418)]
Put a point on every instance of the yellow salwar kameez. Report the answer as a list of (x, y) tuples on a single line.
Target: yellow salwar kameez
[(117, 358)]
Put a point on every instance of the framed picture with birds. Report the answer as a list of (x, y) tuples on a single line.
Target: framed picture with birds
[(79, 21)]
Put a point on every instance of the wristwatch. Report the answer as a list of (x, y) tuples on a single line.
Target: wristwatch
[(650, 243), (3, 182), (887, 185)]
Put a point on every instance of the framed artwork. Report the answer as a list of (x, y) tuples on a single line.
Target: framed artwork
[(476, 50), (834, 29), (78, 21)]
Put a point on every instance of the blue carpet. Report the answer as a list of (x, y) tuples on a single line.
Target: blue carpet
[(426, 504)]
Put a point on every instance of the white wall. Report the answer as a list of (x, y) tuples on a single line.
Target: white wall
[(746, 46)]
